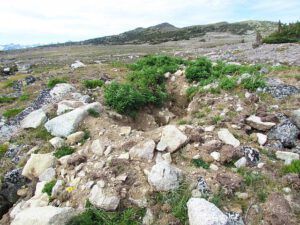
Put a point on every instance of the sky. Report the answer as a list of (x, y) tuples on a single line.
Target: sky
[(51, 21)]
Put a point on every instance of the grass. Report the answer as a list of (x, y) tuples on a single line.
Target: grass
[(93, 113), (63, 151), (24, 97), (52, 82), (3, 149), (217, 119), (200, 163), (294, 167), (182, 122), (12, 112), (48, 187), (177, 199), (93, 216), (4, 99), (91, 84)]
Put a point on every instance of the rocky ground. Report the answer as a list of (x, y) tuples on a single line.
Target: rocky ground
[(230, 157)]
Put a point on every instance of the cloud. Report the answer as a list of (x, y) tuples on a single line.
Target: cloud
[(36, 21)]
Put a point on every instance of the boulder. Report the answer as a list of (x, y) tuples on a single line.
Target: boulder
[(57, 142), (164, 177), (47, 215), (225, 136), (68, 105), (34, 119), (202, 212), (143, 150), (75, 137), (59, 91), (100, 199), (288, 157), (37, 164), (97, 147), (171, 139), (256, 123), (296, 117), (66, 124), (251, 154)]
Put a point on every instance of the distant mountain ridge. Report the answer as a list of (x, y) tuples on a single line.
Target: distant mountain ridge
[(12, 46), (167, 32)]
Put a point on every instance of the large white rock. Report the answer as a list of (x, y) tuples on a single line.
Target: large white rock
[(288, 157), (171, 139), (227, 137), (255, 122), (164, 177), (66, 124), (202, 212), (34, 119), (100, 199), (97, 147), (47, 215), (57, 142), (59, 91), (77, 65), (37, 164), (68, 105), (143, 150)]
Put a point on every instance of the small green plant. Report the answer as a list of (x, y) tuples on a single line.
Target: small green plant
[(52, 82), (12, 112), (253, 82), (63, 151), (93, 113), (48, 187), (217, 119), (93, 83), (182, 122), (227, 83), (294, 167), (217, 198), (200, 163), (4, 99), (24, 97), (199, 70), (3, 149), (191, 92)]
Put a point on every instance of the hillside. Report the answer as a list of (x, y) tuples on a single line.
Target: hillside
[(166, 32)]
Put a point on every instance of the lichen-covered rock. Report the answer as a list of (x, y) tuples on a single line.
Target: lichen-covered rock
[(251, 154), (202, 212), (164, 177), (61, 90)]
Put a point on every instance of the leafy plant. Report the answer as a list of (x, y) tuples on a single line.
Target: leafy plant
[(12, 112), (63, 151), (93, 83), (52, 82), (201, 69), (200, 163), (48, 187)]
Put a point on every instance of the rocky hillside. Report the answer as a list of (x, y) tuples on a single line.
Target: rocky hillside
[(166, 32), (162, 140)]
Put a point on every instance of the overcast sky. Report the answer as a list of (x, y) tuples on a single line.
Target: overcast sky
[(51, 21)]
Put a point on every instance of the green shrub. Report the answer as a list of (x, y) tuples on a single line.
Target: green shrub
[(93, 216), (191, 91), (285, 34), (4, 99), (124, 98), (48, 187), (93, 83), (227, 83), (93, 113), (253, 82), (200, 163), (52, 82), (199, 70), (12, 112), (63, 151), (294, 167)]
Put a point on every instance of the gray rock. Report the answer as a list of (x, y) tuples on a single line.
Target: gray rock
[(234, 218), (59, 91), (257, 123), (202, 212), (251, 154), (281, 91), (143, 150), (164, 177), (225, 136), (296, 117), (99, 198), (34, 119), (288, 157)]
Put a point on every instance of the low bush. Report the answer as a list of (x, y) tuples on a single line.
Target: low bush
[(227, 83), (52, 82), (48, 187), (253, 82), (286, 33), (91, 84), (12, 112), (199, 70), (63, 151)]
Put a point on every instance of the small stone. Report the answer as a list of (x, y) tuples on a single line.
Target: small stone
[(261, 138), (167, 157), (286, 190), (75, 137), (143, 150), (241, 162), (97, 147), (125, 131), (124, 156), (100, 199), (225, 136), (257, 123), (242, 195), (215, 156), (148, 219), (213, 167), (47, 175), (34, 119), (209, 129), (260, 165)]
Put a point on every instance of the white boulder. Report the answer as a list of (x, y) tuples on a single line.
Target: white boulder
[(34, 119), (202, 212), (164, 177), (143, 150), (171, 139), (37, 164), (66, 124), (296, 117), (228, 138)]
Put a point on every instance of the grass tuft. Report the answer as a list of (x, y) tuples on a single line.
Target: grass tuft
[(63, 151), (12, 112)]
